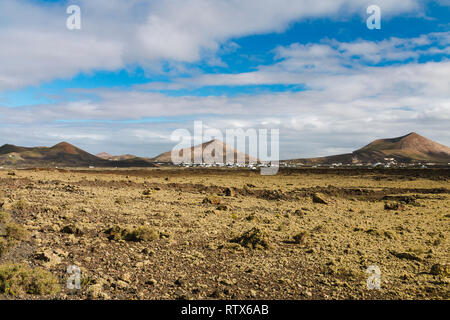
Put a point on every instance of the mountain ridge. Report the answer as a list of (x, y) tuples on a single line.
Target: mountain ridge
[(62, 154), (408, 148)]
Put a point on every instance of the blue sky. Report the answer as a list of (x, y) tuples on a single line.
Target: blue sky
[(250, 53), (138, 70)]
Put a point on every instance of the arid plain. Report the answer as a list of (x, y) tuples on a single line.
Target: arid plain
[(174, 233)]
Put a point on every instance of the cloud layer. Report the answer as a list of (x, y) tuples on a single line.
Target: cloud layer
[(353, 92), (35, 45)]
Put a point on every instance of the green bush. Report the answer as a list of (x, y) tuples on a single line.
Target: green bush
[(4, 246), (4, 217), (20, 205), (15, 232), (142, 233), (116, 233), (19, 279), (11, 233), (254, 238)]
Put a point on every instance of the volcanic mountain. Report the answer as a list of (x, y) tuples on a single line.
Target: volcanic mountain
[(62, 154), (406, 149), (214, 151)]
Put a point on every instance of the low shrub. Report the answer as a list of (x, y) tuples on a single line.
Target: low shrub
[(15, 232), (254, 238), (19, 279), (142, 234), (4, 217), (138, 234)]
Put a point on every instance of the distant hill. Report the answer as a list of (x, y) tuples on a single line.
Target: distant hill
[(107, 156), (62, 154), (409, 148), (209, 150), (104, 155)]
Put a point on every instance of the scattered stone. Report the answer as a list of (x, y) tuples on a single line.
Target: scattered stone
[(389, 235), (226, 282), (440, 270), (229, 192), (319, 198), (121, 285), (86, 210), (393, 206), (126, 277), (148, 252), (300, 238), (179, 282), (180, 295), (402, 199), (299, 213), (71, 229), (48, 257), (151, 282), (373, 232), (96, 292), (406, 255), (250, 217), (211, 246), (120, 201), (211, 200), (147, 192)]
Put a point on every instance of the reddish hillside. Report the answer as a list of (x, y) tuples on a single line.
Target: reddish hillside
[(107, 156), (63, 155), (103, 155), (208, 150), (409, 148)]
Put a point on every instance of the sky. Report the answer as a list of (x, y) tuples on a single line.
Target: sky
[(137, 70)]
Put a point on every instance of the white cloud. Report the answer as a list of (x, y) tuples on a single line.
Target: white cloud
[(35, 45), (350, 96), (373, 103), (306, 63)]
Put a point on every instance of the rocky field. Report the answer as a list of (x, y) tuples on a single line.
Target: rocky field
[(169, 233)]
